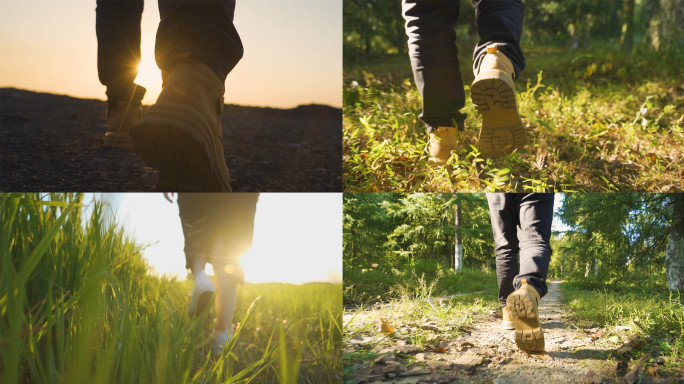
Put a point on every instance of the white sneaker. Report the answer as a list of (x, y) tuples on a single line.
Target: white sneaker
[(220, 340), (202, 294)]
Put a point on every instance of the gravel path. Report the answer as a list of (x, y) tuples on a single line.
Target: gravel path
[(485, 353), (54, 143)]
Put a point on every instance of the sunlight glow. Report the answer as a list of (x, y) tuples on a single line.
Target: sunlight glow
[(297, 236), (278, 69)]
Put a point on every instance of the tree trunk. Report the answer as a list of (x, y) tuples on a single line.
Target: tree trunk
[(674, 254), (665, 28), (458, 247), (627, 25)]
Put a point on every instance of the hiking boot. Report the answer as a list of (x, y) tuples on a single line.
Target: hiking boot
[(181, 133), (202, 294), (523, 306), (441, 142), (121, 116), (507, 322), (493, 93)]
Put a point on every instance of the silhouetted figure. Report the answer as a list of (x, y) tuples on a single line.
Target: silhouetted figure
[(196, 47), (218, 229)]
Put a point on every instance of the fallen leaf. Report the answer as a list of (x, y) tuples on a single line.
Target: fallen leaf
[(653, 371), (385, 327), (541, 356), (439, 350)]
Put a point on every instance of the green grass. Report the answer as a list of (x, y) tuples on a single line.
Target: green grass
[(647, 308), (598, 119), (78, 306), (410, 302), (426, 279)]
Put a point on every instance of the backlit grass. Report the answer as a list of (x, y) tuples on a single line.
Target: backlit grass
[(598, 120), (78, 306)]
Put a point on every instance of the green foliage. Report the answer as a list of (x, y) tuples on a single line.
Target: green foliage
[(599, 119), (399, 231), (646, 307), (427, 279), (613, 238), (77, 306)]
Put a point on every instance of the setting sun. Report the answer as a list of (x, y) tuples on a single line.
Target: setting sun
[(297, 236)]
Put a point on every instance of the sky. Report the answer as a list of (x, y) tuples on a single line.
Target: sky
[(297, 236), (293, 51)]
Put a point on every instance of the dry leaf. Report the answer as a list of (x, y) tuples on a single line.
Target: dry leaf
[(439, 350), (385, 327)]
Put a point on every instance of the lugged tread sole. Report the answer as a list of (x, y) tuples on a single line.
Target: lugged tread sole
[(167, 139), (502, 130), (117, 140), (529, 335)]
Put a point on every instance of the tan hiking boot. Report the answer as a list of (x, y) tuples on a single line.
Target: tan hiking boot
[(523, 305), (493, 93), (441, 142), (181, 133), (121, 116), (507, 322)]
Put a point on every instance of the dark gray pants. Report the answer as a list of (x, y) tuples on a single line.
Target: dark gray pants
[(202, 28), (218, 227), (522, 230), (434, 55)]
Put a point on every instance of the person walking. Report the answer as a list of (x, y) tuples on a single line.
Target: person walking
[(497, 61), (521, 224), (218, 229), (197, 45)]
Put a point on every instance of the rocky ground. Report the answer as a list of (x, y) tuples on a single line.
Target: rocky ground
[(54, 143), (482, 352)]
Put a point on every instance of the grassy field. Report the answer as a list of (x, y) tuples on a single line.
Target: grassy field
[(647, 309), (599, 120), (78, 306)]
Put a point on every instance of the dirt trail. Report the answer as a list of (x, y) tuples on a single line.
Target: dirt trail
[(485, 353), (54, 143)]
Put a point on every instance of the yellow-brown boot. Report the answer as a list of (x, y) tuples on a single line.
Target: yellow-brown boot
[(493, 93), (121, 116), (181, 133), (523, 305), (441, 142)]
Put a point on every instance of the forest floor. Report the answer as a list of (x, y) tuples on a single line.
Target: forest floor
[(598, 120), (427, 342), (54, 143)]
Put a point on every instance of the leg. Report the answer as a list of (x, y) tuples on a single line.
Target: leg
[(181, 134), (496, 62), (536, 215), (503, 211), (434, 59), (117, 26), (201, 28), (499, 22)]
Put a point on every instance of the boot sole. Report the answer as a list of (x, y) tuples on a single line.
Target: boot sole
[(529, 335), (203, 302), (502, 130), (177, 140), (119, 140)]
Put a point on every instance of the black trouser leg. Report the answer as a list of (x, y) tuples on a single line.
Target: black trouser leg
[(434, 60), (203, 29), (117, 24), (521, 224), (500, 22)]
